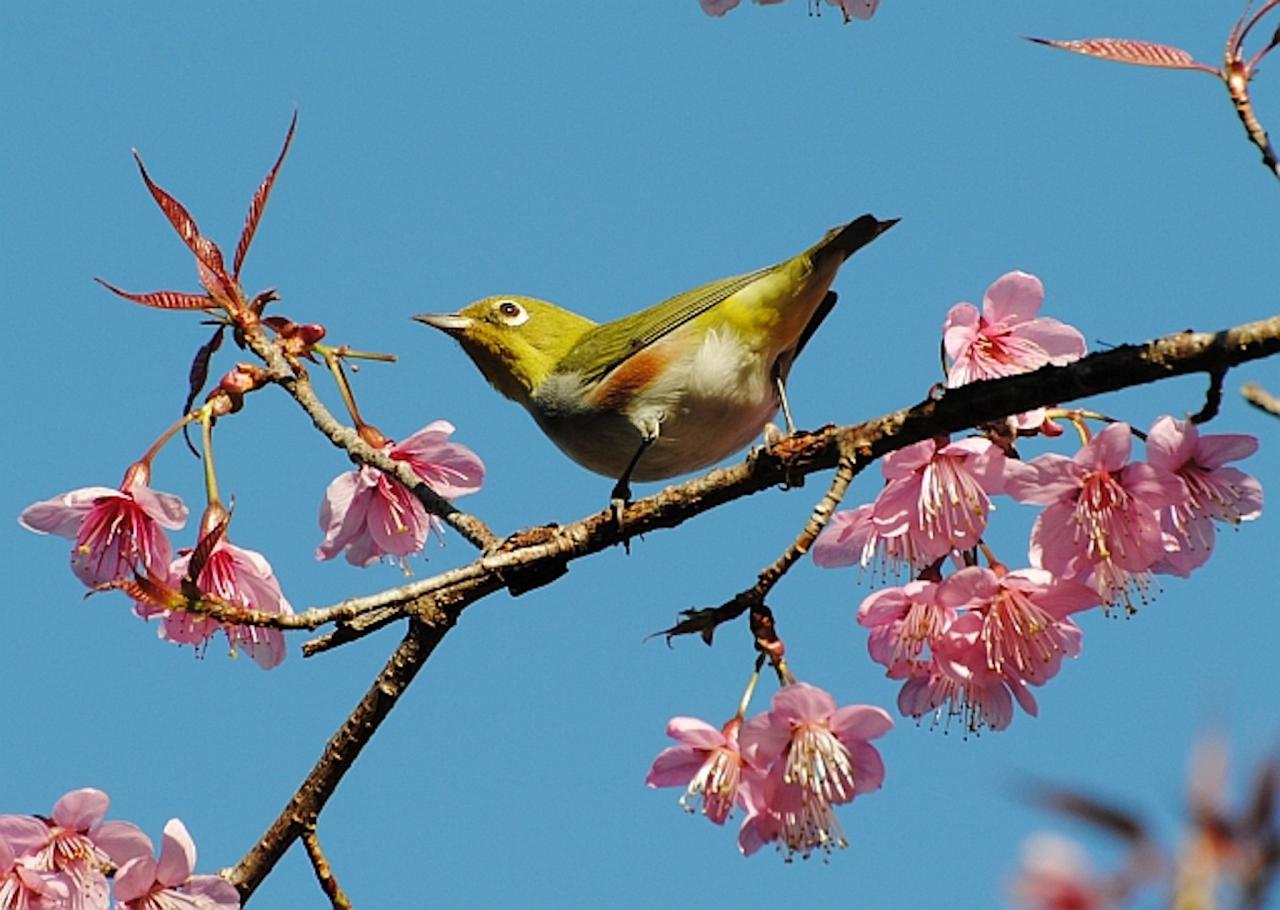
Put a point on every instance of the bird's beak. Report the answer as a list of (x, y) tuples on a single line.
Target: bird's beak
[(449, 323)]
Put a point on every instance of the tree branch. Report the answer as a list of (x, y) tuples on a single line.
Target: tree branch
[(537, 556)]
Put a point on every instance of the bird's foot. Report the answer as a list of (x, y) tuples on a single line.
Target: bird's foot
[(619, 499)]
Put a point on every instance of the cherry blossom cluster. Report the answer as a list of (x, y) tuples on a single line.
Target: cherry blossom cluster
[(786, 768), (120, 541), (62, 862), (119, 535), (970, 643), (851, 9)]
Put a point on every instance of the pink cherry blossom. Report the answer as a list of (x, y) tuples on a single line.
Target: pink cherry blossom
[(144, 883), (818, 756), (707, 762), (1007, 337), (956, 683), (1213, 492), (851, 537), (857, 9), (115, 531), (240, 577), (370, 515), (1056, 876), (1020, 618), (23, 885), (904, 621), (937, 493), (77, 844), (1102, 524)]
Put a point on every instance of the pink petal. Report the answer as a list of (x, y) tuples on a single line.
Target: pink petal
[(343, 512), (217, 892), (694, 732), (121, 841), (763, 738), (1245, 492), (960, 329), (1061, 343), (81, 809), (1053, 543), (1171, 443), (717, 7), (134, 879), (1043, 480), (1155, 487), (971, 586), (883, 606), (1219, 448), (1014, 297), (167, 510), (905, 462), (896, 505), (177, 854), (1107, 451), (860, 722), (63, 515), (858, 9), (23, 833), (843, 540), (397, 520), (868, 767), (675, 766), (803, 703)]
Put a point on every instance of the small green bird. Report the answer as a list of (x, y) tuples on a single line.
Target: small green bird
[(667, 390)]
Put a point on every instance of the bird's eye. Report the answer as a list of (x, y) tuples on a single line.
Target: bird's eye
[(512, 313)]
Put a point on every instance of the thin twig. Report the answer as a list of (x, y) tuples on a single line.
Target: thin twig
[(324, 874), (541, 550), (340, 752), (542, 553), (1212, 397), (344, 437), (1259, 397)]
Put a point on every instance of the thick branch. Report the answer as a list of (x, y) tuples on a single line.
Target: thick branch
[(304, 808), (544, 552), (538, 555)]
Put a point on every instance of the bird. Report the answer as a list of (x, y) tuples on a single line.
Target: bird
[(668, 390)]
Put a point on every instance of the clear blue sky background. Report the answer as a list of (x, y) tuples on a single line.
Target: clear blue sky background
[(603, 156)]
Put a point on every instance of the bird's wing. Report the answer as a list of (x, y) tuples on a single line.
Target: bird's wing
[(605, 346)]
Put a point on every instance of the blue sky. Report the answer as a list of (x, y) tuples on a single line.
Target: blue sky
[(604, 156)]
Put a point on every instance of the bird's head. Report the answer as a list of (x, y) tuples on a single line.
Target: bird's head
[(515, 341)]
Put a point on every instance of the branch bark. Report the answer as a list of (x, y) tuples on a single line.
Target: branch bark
[(537, 556)]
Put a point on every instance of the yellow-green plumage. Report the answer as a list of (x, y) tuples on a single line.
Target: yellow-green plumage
[(670, 389)]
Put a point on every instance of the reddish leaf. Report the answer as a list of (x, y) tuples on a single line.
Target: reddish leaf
[(259, 202), (197, 376), (148, 589), (163, 300), (200, 555), (206, 251), (1128, 50)]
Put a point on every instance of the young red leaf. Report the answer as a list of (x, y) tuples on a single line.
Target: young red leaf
[(1129, 50), (163, 300), (259, 202), (207, 254), (200, 555)]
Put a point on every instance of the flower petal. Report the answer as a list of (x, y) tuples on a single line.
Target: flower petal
[(177, 854), (860, 722), (81, 809), (1014, 297)]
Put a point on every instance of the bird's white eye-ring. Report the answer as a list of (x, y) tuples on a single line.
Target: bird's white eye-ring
[(512, 313)]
